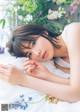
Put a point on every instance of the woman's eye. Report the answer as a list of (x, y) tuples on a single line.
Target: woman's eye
[(33, 43), (29, 55)]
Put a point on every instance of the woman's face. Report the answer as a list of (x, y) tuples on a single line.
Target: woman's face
[(41, 50)]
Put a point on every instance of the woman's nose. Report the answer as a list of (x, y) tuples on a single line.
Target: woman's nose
[(37, 53)]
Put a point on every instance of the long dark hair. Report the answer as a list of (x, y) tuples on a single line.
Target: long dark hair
[(29, 33)]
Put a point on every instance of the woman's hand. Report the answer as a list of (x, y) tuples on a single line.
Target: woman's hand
[(12, 74), (36, 69)]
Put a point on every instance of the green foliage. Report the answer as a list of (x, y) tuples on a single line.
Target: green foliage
[(21, 12), (29, 5), (48, 13), (21, 1), (65, 1)]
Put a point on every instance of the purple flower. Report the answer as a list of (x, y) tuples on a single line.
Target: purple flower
[(75, 7), (2, 50), (72, 12)]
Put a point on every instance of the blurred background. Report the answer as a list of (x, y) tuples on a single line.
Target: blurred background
[(52, 14)]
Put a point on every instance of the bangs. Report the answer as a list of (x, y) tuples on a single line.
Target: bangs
[(17, 46), (16, 49)]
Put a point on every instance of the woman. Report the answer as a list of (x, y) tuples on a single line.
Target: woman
[(39, 44)]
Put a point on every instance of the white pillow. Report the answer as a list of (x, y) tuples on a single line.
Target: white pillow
[(6, 59)]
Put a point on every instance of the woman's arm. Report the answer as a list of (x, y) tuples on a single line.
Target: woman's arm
[(57, 79), (59, 91), (63, 92), (16, 76), (45, 74)]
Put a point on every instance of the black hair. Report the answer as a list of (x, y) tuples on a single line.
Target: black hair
[(28, 33)]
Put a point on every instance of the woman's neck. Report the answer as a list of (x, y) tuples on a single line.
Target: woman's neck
[(61, 52)]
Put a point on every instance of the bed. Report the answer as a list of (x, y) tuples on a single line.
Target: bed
[(14, 98)]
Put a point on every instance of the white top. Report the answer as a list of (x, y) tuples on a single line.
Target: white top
[(59, 60)]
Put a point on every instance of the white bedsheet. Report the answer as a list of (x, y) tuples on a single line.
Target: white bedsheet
[(24, 99)]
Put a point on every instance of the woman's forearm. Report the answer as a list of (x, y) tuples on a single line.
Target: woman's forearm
[(60, 91), (58, 79)]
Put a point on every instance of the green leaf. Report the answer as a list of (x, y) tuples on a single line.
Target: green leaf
[(3, 21), (3, 24)]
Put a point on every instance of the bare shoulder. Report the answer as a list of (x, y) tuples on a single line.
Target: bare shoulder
[(75, 23), (73, 38), (73, 31), (73, 27)]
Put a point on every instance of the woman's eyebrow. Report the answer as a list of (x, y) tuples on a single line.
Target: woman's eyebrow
[(23, 48), (26, 47)]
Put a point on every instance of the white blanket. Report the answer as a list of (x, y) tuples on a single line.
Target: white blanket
[(22, 99)]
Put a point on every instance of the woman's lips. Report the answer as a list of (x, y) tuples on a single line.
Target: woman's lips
[(44, 55)]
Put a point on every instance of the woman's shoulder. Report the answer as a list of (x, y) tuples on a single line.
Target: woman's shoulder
[(72, 28), (73, 25)]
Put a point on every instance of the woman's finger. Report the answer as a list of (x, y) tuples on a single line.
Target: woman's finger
[(36, 63), (3, 78), (4, 71), (30, 69), (28, 63), (26, 67), (3, 66), (3, 75)]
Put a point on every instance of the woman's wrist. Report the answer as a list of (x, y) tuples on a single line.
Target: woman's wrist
[(50, 77), (27, 81)]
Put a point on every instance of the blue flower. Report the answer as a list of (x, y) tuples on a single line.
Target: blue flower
[(22, 102), (21, 96), (29, 98), (24, 106)]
